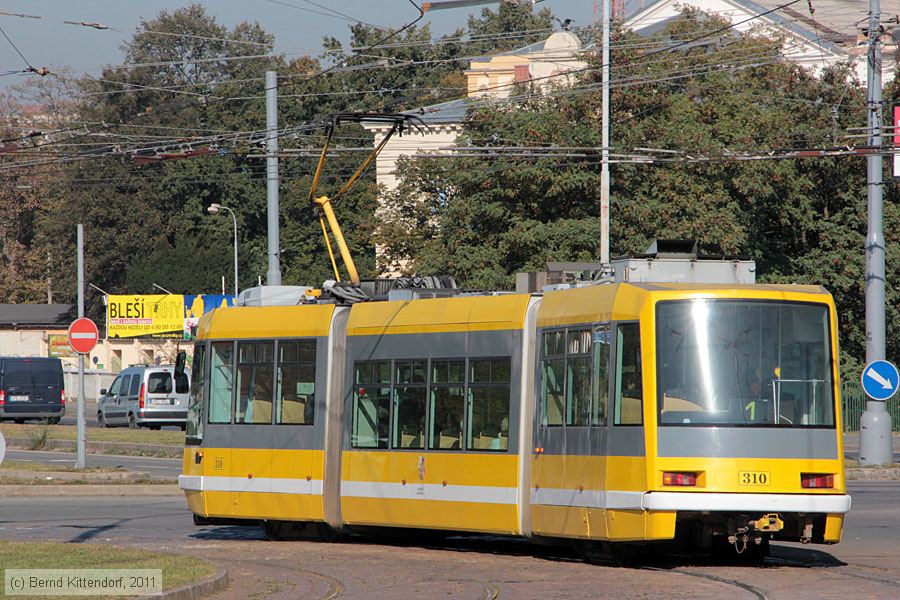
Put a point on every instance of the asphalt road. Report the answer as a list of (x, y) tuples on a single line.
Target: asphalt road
[(167, 468), (866, 563)]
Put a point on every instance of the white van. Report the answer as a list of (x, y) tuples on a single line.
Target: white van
[(143, 396)]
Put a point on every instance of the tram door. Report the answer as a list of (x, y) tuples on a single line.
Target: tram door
[(298, 429), (217, 438), (569, 471), (626, 448), (251, 434)]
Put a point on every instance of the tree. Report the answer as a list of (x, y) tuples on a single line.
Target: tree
[(484, 218), (186, 84), (30, 110)]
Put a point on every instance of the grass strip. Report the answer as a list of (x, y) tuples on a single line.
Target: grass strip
[(118, 434), (12, 480), (178, 570), (24, 465)]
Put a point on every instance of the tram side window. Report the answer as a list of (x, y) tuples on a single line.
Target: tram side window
[(255, 375), (578, 377), (296, 391), (371, 405), (600, 388), (553, 366), (629, 384), (221, 382), (409, 404), (447, 404), (194, 426), (566, 378), (488, 406)]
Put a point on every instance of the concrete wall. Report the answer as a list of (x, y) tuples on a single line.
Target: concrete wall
[(23, 342), (94, 381)]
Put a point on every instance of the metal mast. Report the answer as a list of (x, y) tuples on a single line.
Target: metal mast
[(604, 141), (875, 446), (273, 274)]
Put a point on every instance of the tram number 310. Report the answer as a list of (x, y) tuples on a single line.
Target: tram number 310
[(754, 477)]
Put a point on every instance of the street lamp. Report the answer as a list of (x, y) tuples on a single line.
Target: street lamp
[(214, 209)]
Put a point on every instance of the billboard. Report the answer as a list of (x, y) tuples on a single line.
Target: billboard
[(58, 346), (197, 306), (159, 315)]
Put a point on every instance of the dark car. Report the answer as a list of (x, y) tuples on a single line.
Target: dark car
[(31, 388)]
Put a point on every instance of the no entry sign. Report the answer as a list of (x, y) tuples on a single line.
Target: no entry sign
[(83, 335)]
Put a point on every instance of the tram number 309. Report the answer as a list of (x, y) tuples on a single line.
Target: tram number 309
[(754, 477)]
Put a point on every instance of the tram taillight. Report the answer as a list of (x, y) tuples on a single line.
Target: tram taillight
[(682, 479), (816, 480)]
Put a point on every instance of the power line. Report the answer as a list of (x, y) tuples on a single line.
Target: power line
[(19, 52), (335, 13)]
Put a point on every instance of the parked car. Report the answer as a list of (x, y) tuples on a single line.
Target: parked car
[(143, 396), (31, 388)]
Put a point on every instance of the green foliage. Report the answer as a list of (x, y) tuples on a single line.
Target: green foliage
[(485, 218), (480, 218), (185, 76)]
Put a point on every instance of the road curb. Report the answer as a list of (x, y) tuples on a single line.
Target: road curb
[(192, 591), (121, 448), (76, 489), (873, 474)]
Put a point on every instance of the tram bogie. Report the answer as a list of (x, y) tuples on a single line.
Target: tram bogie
[(613, 413)]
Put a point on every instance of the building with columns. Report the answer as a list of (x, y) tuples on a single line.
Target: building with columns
[(834, 32), (487, 77)]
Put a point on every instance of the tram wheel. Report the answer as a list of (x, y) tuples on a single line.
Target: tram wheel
[(329, 534), (275, 530), (201, 521), (621, 554)]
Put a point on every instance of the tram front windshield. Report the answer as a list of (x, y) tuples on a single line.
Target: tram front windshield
[(744, 363)]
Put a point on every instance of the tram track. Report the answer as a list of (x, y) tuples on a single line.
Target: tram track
[(846, 570), (335, 587), (492, 592), (758, 593)]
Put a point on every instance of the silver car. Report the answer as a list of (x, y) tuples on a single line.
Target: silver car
[(143, 396)]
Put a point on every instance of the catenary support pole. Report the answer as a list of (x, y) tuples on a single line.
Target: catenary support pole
[(273, 274), (604, 140), (81, 433), (875, 447)]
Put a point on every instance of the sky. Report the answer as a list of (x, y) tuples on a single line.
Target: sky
[(48, 42)]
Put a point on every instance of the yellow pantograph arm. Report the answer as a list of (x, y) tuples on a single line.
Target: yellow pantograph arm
[(324, 202), (337, 275)]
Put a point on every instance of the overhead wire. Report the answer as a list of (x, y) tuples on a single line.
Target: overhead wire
[(671, 47), (335, 13)]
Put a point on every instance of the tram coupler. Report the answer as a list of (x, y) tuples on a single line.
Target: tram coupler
[(744, 536), (755, 531), (770, 523)]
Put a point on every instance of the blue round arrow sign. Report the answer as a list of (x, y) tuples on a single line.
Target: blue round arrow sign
[(880, 380)]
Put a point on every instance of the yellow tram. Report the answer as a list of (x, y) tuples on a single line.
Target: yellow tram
[(613, 412)]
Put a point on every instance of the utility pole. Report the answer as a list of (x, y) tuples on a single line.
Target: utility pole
[(81, 433), (273, 274), (875, 447), (604, 141)]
